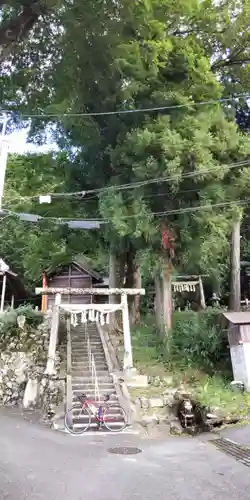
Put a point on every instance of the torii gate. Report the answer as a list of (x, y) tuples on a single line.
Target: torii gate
[(100, 312)]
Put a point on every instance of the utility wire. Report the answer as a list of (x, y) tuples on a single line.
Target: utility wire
[(203, 207), (186, 175), (183, 210), (180, 211), (137, 110), (131, 185)]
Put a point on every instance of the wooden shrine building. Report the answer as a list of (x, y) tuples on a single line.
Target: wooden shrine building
[(73, 275)]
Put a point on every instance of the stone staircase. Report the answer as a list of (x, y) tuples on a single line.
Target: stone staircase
[(81, 374)]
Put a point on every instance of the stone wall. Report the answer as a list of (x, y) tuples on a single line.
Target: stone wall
[(23, 359)]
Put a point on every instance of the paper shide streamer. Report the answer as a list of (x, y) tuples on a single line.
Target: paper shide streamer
[(89, 315)]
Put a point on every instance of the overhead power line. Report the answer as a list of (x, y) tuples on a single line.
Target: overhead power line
[(132, 185), (197, 208), (135, 110), (185, 175), (95, 223)]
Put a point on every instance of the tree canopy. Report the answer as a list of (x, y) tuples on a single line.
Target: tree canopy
[(189, 58)]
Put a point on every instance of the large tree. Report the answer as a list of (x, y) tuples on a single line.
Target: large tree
[(28, 247), (151, 53)]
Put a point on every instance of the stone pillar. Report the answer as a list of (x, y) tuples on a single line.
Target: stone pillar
[(128, 359), (50, 368)]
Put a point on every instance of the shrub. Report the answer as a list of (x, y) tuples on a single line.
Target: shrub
[(197, 339), (9, 329)]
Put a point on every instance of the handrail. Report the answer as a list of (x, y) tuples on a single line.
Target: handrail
[(92, 365), (69, 394), (94, 378)]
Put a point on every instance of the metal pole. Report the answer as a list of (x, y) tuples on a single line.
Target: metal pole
[(3, 292)]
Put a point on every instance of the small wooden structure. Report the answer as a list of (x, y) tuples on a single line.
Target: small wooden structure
[(190, 284), (72, 275), (238, 328), (12, 288)]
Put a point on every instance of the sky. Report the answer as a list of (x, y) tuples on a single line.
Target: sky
[(18, 144)]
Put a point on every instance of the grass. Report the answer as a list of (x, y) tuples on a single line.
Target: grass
[(212, 391)]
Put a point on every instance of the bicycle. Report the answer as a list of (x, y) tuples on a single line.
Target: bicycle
[(78, 420)]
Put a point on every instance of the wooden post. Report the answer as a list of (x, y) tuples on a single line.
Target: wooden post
[(202, 295), (50, 368), (158, 302), (128, 359), (135, 314), (69, 395), (3, 293), (235, 288)]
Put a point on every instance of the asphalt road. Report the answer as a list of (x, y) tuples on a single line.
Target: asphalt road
[(37, 463)]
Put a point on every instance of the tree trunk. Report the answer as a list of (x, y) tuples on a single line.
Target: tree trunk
[(129, 274), (167, 300), (112, 284), (133, 277), (158, 302), (121, 269), (135, 304), (235, 288)]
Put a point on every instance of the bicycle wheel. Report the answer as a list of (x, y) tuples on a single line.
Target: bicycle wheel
[(77, 420), (114, 418)]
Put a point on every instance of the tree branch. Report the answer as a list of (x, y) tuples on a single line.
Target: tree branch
[(230, 62), (18, 27)]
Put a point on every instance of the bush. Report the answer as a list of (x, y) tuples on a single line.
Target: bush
[(8, 323), (197, 340)]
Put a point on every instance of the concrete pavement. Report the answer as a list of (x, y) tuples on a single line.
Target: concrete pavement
[(37, 463)]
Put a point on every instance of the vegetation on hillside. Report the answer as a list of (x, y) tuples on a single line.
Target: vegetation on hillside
[(199, 362)]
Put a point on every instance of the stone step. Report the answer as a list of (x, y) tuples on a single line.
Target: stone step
[(80, 340), (78, 379), (91, 392), (85, 352), (85, 362), (84, 349), (87, 374), (82, 335), (106, 386), (85, 368), (81, 348), (89, 383), (86, 379), (83, 359)]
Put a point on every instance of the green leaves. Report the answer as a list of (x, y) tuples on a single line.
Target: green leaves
[(30, 248), (97, 57)]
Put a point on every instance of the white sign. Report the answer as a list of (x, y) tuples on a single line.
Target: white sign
[(45, 199)]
